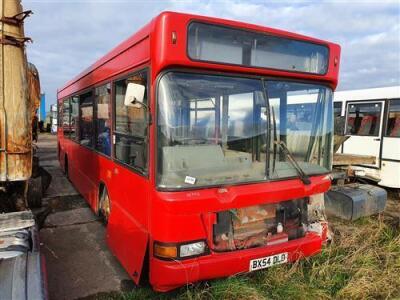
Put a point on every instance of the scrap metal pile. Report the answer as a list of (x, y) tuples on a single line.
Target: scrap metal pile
[(21, 265)]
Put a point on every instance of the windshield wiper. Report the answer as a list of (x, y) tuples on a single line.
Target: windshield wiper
[(303, 176)]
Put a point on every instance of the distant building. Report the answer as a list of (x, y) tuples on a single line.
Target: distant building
[(53, 120)]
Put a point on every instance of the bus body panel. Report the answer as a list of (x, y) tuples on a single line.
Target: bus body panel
[(140, 213), (216, 199), (127, 233), (127, 229), (391, 151), (389, 174), (390, 167), (165, 276), (85, 182), (181, 216)]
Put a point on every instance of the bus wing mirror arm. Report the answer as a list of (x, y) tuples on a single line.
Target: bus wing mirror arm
[(134, 95)]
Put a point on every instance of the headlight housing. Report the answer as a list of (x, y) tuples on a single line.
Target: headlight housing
[(192, 249), (181, 250)]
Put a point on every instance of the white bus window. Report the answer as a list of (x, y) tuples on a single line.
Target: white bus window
[(337, 109), (364, 119), (393, 125)]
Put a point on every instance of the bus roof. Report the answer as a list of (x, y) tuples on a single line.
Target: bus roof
[(368, 94), (157, 23)]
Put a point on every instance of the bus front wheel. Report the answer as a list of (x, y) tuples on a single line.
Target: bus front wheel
[(66, 170), (104, 205)]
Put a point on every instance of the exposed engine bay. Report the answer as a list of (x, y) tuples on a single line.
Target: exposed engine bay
[(265, 224)]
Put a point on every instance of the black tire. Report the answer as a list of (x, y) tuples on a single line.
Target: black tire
[(35, 166), (66, 170), (35, 192), (104, 207)]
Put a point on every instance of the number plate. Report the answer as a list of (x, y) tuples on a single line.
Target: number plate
[(269, 261)]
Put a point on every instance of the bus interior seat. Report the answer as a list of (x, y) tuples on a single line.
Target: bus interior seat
[(395, 132), (367, 125), (350, 123), (297, 141), (136, 154), (122, 148)]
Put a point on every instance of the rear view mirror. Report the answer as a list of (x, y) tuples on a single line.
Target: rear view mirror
[(134, 95)]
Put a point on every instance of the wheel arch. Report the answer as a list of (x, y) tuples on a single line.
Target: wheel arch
[(101, 187)]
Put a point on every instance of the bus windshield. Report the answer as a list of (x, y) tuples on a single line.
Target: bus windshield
[(221, 130)]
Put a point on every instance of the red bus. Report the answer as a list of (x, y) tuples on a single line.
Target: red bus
[(206, 146)]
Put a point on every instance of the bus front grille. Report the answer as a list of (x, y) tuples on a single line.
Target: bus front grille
[(260, 225)]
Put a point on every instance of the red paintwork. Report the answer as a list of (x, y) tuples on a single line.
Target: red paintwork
[(140, 213), (172, 274)]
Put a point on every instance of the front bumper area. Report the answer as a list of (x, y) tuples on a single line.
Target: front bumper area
[(168, 275)]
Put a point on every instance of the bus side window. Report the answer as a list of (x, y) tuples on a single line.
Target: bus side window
[(74, 118), (131, 125), (66, 117), (364, 119), (393, 125), (86, 119), (103, 119), (60, 115)]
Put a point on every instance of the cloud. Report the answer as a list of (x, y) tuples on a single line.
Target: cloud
[(70, 35)]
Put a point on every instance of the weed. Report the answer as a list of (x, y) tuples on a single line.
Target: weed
[(362, 262)]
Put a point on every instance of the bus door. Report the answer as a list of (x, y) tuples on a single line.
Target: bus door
[(364, 122), (391, 146)]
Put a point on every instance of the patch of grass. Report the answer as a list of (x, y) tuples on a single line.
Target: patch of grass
[(362, 262)]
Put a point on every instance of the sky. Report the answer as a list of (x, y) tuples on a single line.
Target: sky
[(70, 35)]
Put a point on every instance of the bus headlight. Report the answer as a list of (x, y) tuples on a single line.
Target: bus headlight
[(177, 251), (192, 249)]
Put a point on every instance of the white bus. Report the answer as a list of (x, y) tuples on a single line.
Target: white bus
[(373, 124)]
